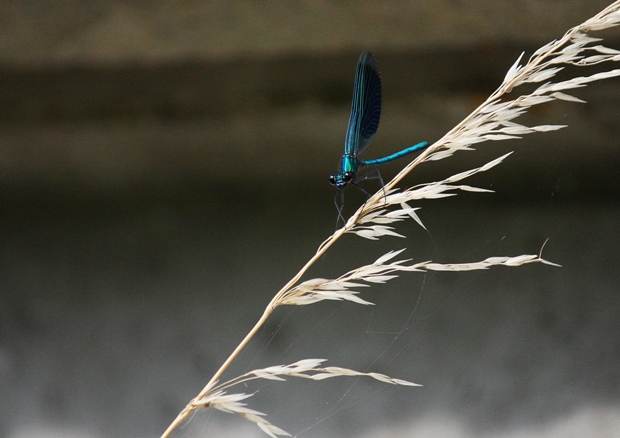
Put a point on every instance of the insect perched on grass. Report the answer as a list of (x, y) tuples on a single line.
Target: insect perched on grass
[(363, 124)]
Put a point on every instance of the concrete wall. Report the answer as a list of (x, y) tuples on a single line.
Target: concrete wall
[(163, 171), (117, 32)]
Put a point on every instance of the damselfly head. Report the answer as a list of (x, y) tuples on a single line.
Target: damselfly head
[(340, 180)]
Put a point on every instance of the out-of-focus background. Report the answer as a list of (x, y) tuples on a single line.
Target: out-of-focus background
[(163, 172)]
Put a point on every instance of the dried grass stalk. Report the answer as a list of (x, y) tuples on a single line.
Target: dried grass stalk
[(493, 120)]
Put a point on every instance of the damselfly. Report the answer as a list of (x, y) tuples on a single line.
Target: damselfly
[(363, 124)]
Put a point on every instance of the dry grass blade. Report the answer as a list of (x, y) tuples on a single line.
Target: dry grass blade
[(217, 398)]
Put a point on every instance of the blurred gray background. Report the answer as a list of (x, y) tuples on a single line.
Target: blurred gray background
[(163, 172)]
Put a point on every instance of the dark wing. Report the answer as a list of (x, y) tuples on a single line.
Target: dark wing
[(366, 107)]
